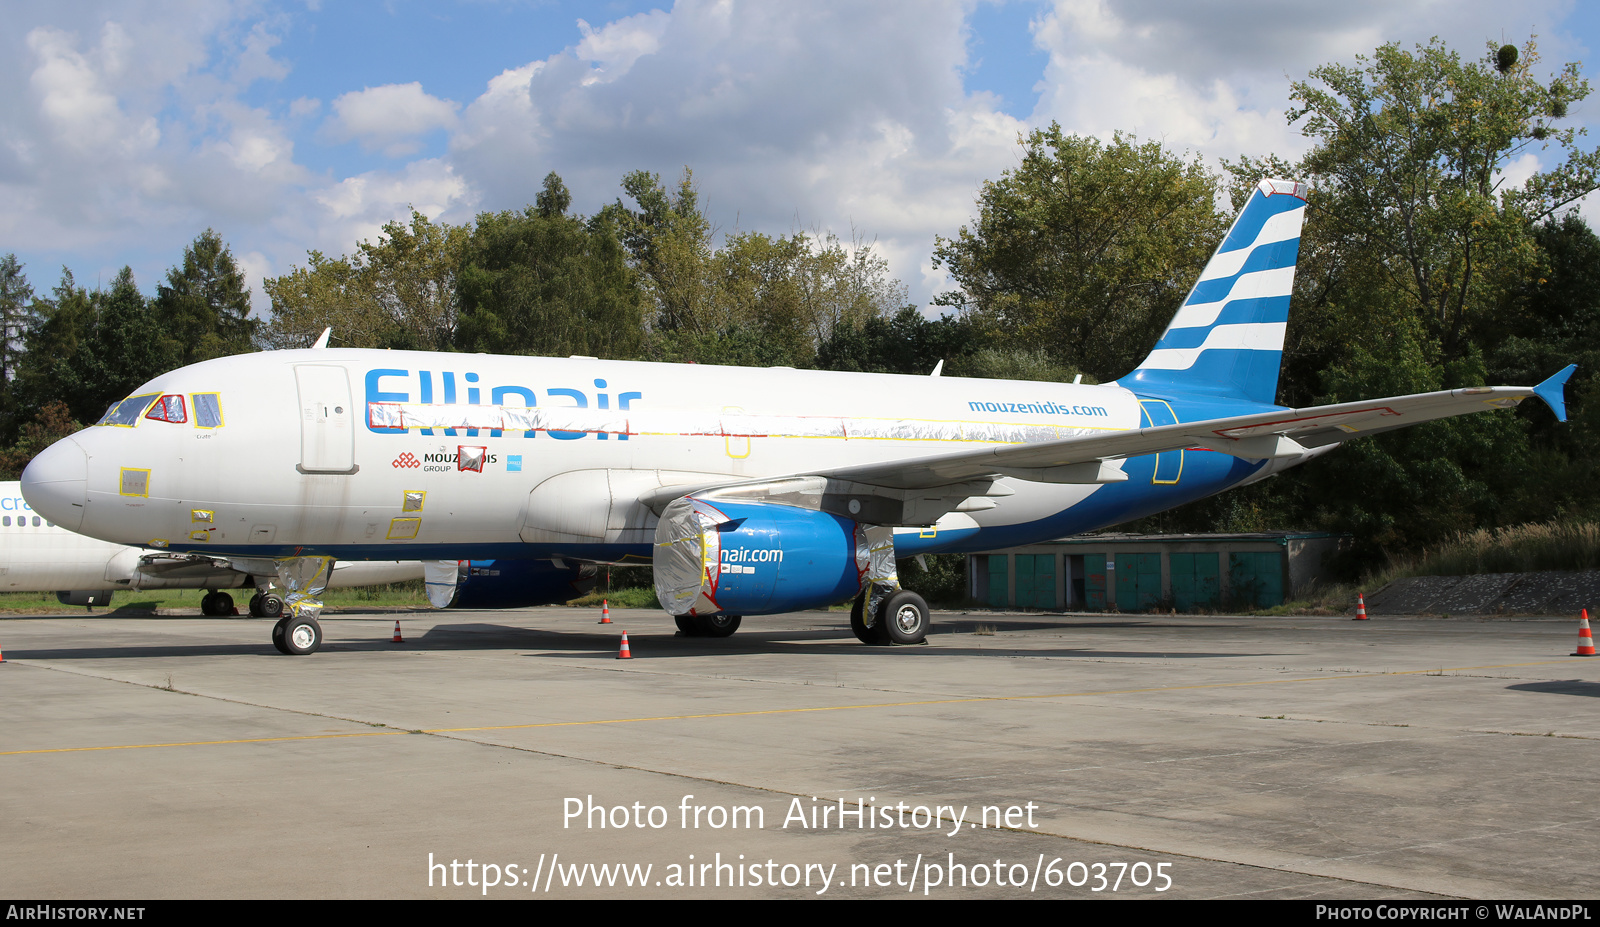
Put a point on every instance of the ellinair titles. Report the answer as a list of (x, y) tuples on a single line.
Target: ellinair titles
[(748, 491)]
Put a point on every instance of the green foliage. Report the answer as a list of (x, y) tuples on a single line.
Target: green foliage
[(942, 584), (903, 343), (53, 423), (1086, 249), (541, 282), (204, 306), (89, 349), (399, 292), (1407, 163), (758, 299)]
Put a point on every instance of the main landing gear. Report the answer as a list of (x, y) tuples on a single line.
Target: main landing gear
[(266, 605), (216, 604), (902, 619), (708, 625)]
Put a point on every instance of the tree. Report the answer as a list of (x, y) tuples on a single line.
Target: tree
[(1085, 249), (16, 299), (205, 305), (670, 242), (542, 282), (89, 349), (16, 311), (399, 292)]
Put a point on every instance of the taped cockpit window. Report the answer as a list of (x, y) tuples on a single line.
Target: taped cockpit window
[(126, 413), (168, 409), (207, 410), (403, 529), (134, 482), (413, 500)]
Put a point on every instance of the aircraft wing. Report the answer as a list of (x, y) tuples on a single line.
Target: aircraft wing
[(1262, 435)]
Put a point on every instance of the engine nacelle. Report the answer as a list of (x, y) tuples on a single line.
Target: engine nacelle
[(518, 583), (754, 558)]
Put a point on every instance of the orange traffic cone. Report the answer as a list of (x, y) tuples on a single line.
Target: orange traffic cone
[(1361, 608), (624, 654), (397, 638), (605, 611), (1585, 639)]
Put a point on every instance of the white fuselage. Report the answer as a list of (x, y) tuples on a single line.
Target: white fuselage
[(346, 452), (37, 555)]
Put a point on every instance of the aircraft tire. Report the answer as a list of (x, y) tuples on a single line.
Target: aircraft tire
[(271, 606), (686, 625), (717, 625), (277, 636), (872, 635), (905, 618), (301, 635), (208, 605)]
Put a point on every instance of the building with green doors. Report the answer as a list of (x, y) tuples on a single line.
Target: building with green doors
[(1139, 573)]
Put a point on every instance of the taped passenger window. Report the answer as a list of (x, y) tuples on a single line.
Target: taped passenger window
[(207, 410), (169, 409), (126, 412)]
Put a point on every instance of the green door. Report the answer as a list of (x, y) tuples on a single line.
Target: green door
[(1195, 581), (1138, 582), (998, 585), (1256, 578)]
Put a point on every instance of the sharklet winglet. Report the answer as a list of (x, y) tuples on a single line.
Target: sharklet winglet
[(1553, 392)]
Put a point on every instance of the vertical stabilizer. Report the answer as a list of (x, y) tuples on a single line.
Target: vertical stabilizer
[(1227, 338)]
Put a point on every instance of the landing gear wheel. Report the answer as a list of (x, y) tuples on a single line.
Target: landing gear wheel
[(686, 626), (266, 606), (865, 633), (905, 618), (297, 636), (717, 625), (216, 604)]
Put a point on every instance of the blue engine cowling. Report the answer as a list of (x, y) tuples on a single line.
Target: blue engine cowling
[(520, 583), (754, 558)]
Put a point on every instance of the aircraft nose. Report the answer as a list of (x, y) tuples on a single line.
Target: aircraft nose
[(56, 483)]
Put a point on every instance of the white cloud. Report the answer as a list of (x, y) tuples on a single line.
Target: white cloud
[(615, 47), (128, 126), (389, 118)]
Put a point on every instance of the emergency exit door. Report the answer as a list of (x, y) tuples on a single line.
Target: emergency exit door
[(327, 438)]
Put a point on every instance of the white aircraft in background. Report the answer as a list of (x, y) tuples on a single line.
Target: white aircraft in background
[(36, 555), (750, 491)]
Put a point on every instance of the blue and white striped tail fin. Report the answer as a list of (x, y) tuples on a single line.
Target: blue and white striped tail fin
[(1227, 338)]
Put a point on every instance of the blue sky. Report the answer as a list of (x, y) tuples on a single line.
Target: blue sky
[(129, 127)]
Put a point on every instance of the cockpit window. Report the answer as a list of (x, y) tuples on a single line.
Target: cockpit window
[(126, 412), (168, 409), (207, 410)]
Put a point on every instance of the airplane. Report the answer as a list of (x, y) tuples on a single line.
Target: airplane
[(749, 491), (37, 555)]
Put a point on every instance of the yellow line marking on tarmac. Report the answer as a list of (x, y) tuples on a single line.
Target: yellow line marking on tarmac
[(786, 711)]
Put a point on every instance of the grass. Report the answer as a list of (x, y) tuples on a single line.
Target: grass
[(1530, 548), (1527, 548)]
